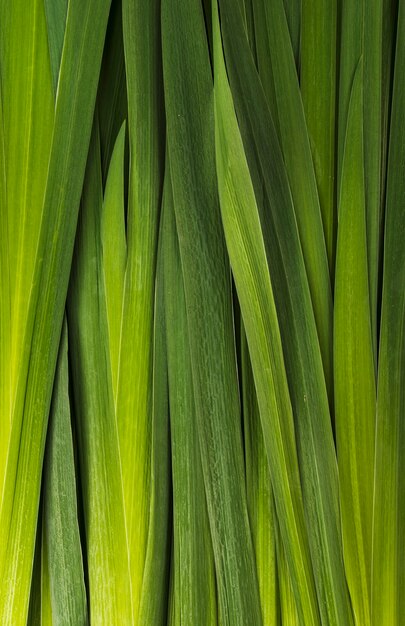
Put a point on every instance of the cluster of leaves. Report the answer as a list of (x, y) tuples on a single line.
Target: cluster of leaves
[(202, 310)]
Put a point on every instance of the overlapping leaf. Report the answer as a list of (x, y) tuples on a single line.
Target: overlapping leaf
[(297, 324), (207, 286), (388, 570), (355, 395), (40, 305)]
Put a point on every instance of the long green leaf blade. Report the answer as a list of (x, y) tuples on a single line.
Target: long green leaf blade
[(355, 394), (5, 309), (141, 26), (288, 607), (81, 59), (318, 80), (27, 121), (388, 569), (297, 324), (362, 29), (61, 528), (248, 260), (114, 250), (190, 127), (155, 588), (45, 584), (100, 468), (294, 141), (194, 594), (259, 494)]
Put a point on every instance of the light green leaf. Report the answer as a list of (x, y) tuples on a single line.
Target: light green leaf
[(155, 587), (259, 494), (355, 394), (61, 549), (361, 35), (100, 469), (114, 250), (141, 23), (47, 270), (5, 310), (288, 607), (27, 119)]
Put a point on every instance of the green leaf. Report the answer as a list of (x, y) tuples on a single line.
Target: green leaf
[(47, 270), (286, 104), (293, 12), (5, 310), (355, 394), (114, 250), (249, 265), (45, 586), (288, 607), (56, 12), (193, 592), (250, 25), (34, 612), (259, 494), (100, 469), (388, 602), (27, 119), (318, 78), (390, 13), (112, 101), (61, 539), (362, 31), (155, 588), (264, 65), (207, 286), (141, 23), (295, 316)]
